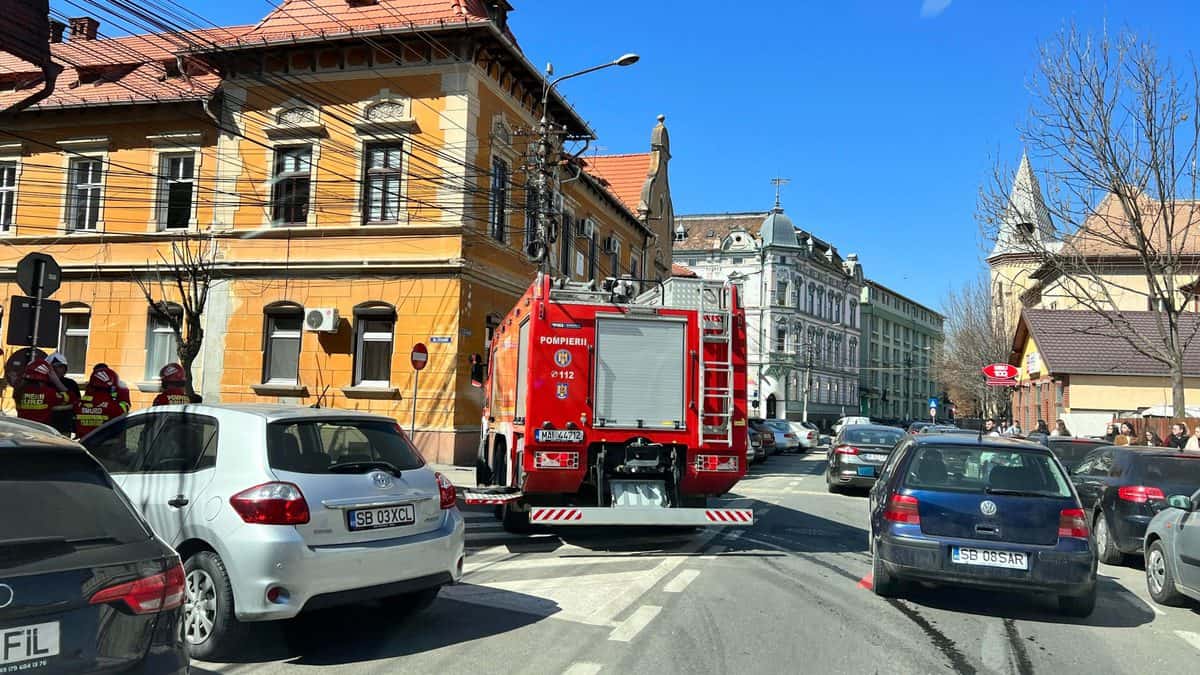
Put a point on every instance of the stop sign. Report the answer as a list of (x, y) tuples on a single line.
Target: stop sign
[(1000, 371), (420, 356)]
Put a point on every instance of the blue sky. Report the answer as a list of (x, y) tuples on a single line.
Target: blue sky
[(886, 115)]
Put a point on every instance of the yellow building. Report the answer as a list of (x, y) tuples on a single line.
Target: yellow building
[(355, 180), (1071, 367)]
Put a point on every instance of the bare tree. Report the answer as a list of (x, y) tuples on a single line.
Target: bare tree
[(1115, 131), (974, 336), (187, 275)]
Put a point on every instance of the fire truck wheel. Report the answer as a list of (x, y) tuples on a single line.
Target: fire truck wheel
[(514, 521)]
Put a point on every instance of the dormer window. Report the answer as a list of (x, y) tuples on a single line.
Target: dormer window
[(498, 13)]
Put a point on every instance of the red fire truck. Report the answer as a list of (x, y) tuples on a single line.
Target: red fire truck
[(605, 406)]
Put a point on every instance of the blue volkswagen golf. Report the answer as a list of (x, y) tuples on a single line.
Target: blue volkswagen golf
[(992, 513)]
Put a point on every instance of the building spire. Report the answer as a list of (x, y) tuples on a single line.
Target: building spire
[(779, 183), (1026, 222)]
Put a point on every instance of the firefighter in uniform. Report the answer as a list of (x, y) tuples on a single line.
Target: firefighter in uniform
[(101, 402), (174, 386), (40, 393)]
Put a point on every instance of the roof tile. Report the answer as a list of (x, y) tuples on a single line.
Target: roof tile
[(1080, 342), (625, 175)]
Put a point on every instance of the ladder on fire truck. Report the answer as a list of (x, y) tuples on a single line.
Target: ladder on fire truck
[(716, 364)]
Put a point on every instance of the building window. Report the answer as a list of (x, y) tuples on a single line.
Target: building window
[(73, 337), (490, 325), (613, 246), (499, 199), (374, 327), (86, 189), (781, 292), (176, 186), (780, 339), (284, 326), (566, 243), (852, 317), (531, 215), (593, 252), (8, 194), (290, 194), (161, 347), (381, 199), (635, 267)]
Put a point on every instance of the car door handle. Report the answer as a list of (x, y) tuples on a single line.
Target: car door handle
[(178, 502)]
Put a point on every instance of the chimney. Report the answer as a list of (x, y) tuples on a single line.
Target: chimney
[(84, 28), (56, 31)]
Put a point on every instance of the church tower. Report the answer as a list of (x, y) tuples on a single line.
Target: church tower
[(1025, 233)]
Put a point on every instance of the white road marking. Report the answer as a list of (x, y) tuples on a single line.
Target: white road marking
[(681, 581), (516, 563), (582, 668), (630, 627), (1189, 637), (712, 553), (994, 648)]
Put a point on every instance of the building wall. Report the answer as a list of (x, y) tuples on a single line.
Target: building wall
[(899, 337), (1126, 393)]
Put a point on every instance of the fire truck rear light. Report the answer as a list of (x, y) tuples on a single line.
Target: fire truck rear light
[(716, 463), (555, 460)]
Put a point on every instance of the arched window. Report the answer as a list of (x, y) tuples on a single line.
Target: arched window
[(374, 331), (283, 329), (161, 347), (73, 336)]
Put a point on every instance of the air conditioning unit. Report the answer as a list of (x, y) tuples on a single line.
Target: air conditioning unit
[(612, 245), (587, 229), (321, 320)]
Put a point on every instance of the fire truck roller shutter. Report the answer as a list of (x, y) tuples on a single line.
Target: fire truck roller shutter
[(640, 368), (522, 368)]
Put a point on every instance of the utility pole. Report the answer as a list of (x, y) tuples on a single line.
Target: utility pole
[(808, 364)]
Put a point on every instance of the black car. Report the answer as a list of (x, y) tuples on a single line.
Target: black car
[(85, 585), (993, 513), (1069, 450), (857, 453), (1123, 487)]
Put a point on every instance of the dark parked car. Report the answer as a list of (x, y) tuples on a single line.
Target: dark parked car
[(1123, 488), (986, 512), (1070, 451), (85, 585), (766, 434), (857, 453)]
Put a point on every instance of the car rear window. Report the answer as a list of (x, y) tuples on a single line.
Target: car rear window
[(1161, 469), (1073, 452), (330, 446), (51, 495), (872, 436), (985, 469), (779, 425)]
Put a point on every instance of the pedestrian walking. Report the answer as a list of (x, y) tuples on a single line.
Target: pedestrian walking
[(1193, 442), (39, 393), (989, 427), (1179, 436), (63, 418), (1060, 428), (1151, 439), (1014, 430), (1112, 432), (1126, 435), (1042, 428), (101, 402), (174, 386)]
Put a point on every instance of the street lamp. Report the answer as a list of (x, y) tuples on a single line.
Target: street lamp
[(624, 60)]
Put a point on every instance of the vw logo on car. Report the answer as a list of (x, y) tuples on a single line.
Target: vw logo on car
[(987, 507), (381, 479)]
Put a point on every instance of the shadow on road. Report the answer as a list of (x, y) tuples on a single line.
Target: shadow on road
[(371, 632)]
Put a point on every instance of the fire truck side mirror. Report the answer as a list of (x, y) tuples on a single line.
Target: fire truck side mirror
[(476, 370)]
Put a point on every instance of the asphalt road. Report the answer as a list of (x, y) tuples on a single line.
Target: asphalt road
[(789, 594)]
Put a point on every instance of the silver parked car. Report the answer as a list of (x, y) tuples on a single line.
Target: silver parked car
[(277, 510), (1173, 551)]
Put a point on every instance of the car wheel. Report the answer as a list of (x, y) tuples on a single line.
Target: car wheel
[(210, 627), (1078, 605), (829, 484), (514, 521), (882, 582), (1106, 548), (417, 601), (1160, 581)]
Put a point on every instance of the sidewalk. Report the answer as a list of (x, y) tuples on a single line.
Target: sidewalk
[(461, 476)]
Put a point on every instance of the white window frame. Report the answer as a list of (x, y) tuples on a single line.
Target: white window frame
[(10, 156), (153, 330), (272, 180), (361, 336), (71, 206), (164, 159), (271, 314), (77, 370), (401, 141), (635, 265), (580, 263)]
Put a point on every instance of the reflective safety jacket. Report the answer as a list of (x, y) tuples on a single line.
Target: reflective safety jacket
[(37, 400), (172, 396), (96, 407)]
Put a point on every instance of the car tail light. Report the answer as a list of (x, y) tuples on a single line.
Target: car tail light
[(1140, 494), (543, 459), (716, 463), (1072, 523), (789, 435), (147, 595), (903, 509), (271, 504), (446, 491), (846, 450)]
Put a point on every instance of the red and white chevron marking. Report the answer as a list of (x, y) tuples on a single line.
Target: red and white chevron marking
[(730, 515), (555, 515)]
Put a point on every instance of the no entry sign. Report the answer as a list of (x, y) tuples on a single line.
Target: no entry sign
[(420, 356)]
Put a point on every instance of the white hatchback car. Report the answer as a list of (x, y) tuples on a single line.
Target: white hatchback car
[(277, 510)]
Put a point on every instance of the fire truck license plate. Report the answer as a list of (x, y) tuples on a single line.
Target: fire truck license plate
[(558, 435), (387, 516)]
